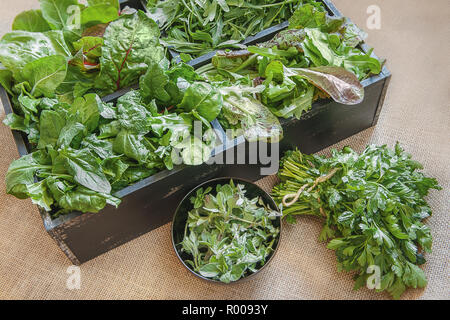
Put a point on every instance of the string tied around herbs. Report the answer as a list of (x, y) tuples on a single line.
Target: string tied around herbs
[(296, 195)]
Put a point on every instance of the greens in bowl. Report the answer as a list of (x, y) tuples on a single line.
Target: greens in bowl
[(226, 230)]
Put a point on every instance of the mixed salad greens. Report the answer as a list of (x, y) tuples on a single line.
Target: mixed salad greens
[(88, 150), (196, 27), (56, 68), (372, 206), (316, 57), (227, 235), (67, 49)]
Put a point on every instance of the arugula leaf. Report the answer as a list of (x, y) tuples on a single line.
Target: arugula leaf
[(199, 27)]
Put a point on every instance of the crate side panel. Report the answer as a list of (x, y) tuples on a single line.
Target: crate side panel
[(140, 212)]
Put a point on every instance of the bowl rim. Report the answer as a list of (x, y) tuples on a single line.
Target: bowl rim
[(189, 194)]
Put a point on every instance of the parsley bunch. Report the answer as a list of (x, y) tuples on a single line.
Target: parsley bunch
[(373, 208), (228, 235)]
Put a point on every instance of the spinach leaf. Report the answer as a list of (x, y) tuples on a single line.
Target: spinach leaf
[(85, 169), (86, 200), (51, 123), (88, 110), (21, 173)]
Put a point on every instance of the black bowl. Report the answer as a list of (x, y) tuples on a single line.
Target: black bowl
[(181, 215)]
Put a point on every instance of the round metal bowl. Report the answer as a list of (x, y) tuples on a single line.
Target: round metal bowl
[(181, 215)]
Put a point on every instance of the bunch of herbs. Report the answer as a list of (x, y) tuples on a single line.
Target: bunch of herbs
[(372, 206)]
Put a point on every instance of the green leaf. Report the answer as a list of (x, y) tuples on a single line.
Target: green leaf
[(86, 200), (203, 98), (258, 123), (131, 145), (18, 48), (40, 195), (209, 270), (97, 14), (6, 79), (57, 12), (103, 148), (111, 3), (132, 113), (51, 124), (129, 42), (21, 173), (88, 108), (83, 166), (45, 75), (90, 46), (31, 20)]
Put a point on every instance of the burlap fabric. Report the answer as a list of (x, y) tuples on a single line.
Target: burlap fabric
[(414, 38)]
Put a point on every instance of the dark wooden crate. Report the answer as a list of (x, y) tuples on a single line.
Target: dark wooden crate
[(151, 202)]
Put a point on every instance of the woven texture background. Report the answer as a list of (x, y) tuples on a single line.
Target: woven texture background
[(414, 39)]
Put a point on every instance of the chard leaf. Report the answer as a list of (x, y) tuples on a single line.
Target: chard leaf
[(45, 75), (57, 12), (31, 20), (129, 42), (97, 14), (112, 3), (18, 48), (90, 46)]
